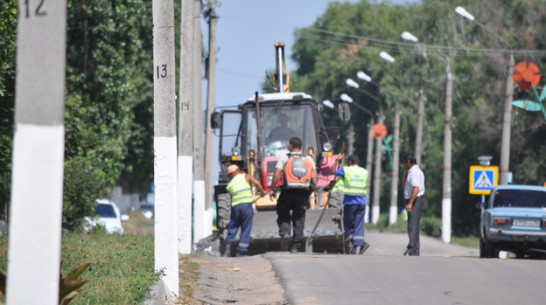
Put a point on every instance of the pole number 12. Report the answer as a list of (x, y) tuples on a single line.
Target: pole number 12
[(37, 12)]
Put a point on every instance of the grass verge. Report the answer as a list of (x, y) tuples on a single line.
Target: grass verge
[(121, 271)]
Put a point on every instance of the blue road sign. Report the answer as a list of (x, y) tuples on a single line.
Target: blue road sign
[(482, 179)]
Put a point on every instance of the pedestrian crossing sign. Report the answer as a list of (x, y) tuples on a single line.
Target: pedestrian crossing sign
[(482, 179)]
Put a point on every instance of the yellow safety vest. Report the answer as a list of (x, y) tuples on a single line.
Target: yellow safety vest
[(355, 181), (339, 186), (239, 190)]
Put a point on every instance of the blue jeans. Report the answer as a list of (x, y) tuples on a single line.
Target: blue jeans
[(241, 217), (353, 223)]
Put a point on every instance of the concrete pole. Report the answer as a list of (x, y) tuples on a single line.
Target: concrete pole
[(393, 211), (201, 221), (377, 175), (34, 251), (166, 246), (186, 104), (351, 140), (507, 124), (446, 198), (209, 146), (369, 156), (420, 118)]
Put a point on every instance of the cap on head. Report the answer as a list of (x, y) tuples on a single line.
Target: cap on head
[(232, 169)]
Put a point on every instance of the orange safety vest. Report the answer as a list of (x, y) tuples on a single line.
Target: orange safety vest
[(298, 172)]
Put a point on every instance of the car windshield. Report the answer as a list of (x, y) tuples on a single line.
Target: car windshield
[(105, 210), (520, 199)]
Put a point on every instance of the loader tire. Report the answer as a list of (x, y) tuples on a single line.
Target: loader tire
[(223, 212)]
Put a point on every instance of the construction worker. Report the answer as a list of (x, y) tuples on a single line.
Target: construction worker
[(241, 208), (282, 132), (299, 175), (354, 179)]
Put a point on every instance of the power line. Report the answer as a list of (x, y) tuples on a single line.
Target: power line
[(335, 38)]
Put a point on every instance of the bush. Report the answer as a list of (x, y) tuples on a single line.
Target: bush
[(431, 226)]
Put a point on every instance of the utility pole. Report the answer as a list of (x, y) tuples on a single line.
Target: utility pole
[(369, 156), (186, 103), (377, 174), (166, 250), (393, 211), (448, 124), (34, 251), (420, 118), (351, 139), (507, 123), (201, 221), (211, 74)]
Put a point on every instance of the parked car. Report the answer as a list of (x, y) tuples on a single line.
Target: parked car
[(147, 210), (514, 219), (107, 214)]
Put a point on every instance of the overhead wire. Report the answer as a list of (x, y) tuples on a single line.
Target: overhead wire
[(336, 38)]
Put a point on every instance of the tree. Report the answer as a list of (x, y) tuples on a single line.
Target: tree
[(8, 27), (348, 38)]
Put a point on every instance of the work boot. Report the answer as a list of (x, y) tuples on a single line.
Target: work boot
[(364, 248), (227, 252), (241, 254), (356, 250), (285, 242)]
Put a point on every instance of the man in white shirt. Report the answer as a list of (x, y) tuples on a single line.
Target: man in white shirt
[(413, 184)]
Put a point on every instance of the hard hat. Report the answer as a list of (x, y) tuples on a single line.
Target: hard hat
[(232, 168)]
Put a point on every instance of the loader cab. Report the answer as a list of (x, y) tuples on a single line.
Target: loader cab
[(282, 116)]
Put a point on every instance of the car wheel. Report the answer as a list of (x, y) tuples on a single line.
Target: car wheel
[(488, 250)]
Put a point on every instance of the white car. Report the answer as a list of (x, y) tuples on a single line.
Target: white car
[(107, 215)]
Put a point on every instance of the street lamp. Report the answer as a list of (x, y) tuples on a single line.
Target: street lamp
[(328, 104), (393, 211), (507, 117), (377, 174), (420, 107), (446, 194), (369, 151)]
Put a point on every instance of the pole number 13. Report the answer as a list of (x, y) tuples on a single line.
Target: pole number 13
[(38, 12), (161, 71)]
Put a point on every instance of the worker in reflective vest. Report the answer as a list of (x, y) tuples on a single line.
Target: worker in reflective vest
[(241, 208), (354, 179)]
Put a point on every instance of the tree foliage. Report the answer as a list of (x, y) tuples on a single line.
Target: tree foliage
[(108, 114), (109, 102), (348, 38)]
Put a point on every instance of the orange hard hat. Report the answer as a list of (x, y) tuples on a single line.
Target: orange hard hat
[(232, 168)]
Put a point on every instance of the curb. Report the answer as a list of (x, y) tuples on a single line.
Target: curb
[(159, 294)]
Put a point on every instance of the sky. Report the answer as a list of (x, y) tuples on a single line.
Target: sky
[(246, 34)]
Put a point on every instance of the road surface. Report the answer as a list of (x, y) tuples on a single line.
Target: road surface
[(443, 274)]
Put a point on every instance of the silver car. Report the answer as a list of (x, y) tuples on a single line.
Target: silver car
[(514, 219)]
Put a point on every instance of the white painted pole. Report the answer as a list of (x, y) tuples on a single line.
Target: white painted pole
[(166, 246), (185, 129), (38, 152), (446, 192), (200, 216), (377, 173), (211, 86), (393, 211)]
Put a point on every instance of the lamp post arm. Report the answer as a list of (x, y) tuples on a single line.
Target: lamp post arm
[(375, 98), (363, 109)]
